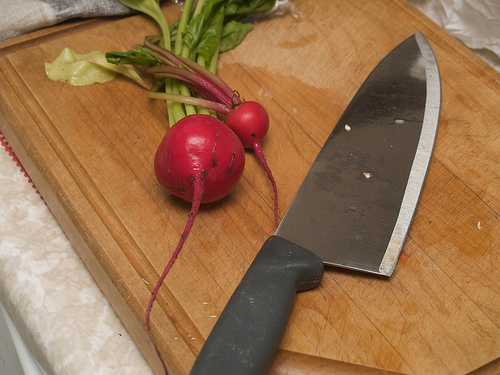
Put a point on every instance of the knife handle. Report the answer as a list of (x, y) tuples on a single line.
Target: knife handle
[(248, 332)]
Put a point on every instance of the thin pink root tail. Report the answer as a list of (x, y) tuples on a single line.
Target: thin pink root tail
[(260, 155), (197, 195)]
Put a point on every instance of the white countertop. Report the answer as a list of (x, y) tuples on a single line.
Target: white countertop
[(57, 307)]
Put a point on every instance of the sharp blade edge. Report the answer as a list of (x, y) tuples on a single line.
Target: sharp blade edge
[(421, 161)]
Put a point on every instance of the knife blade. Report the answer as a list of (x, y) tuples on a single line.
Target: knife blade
[(353, 209)]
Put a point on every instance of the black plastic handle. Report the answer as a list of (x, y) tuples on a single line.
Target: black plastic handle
[(247, 334)]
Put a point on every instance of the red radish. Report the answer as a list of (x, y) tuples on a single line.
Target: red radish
[(199, 149), (250, 121), (199, 160)]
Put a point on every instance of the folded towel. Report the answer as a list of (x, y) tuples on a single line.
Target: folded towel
[(23, 16)]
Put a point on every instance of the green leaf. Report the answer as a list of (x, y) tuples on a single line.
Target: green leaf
[(240, 8), (83, 70), (199, 25), (137, 56), (233, 34), (211, 37)]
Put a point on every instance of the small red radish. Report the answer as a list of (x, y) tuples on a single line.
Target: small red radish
[(199, 160), (250, 121)]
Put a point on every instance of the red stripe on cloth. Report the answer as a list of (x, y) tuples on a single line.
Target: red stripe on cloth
[(11, 153)]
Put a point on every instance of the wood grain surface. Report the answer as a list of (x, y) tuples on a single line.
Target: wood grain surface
[(90, 151)]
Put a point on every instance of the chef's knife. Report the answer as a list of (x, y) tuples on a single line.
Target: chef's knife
[(353, 209)]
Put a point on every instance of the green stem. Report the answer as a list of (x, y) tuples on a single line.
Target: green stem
[(212, 67), (170, 105), (165, 30), (179, 49), (165, 43), (214, 60), (204, 111), (177, 108), (183, 22), (199, 7)]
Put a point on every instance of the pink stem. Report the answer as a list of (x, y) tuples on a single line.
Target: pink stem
[(171, 59), (197, 195), (199, 83), (165, 54), (174, 60), (260, 155), (209, 76), (204, 103)]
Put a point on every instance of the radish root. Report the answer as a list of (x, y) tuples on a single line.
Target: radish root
[(198, 193)]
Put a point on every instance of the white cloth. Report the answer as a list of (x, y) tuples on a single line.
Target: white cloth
[(19, 17), (476, 23)]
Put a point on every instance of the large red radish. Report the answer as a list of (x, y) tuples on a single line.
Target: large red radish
[(199, 160), (248, 119), (199, 149)]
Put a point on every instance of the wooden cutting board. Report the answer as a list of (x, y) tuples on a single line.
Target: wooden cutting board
[(90, 151)]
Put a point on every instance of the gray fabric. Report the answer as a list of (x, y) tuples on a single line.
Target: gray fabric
[(18, 17), (65, 9)]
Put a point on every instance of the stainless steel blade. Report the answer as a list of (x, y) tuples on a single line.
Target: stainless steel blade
[(356, 203)]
